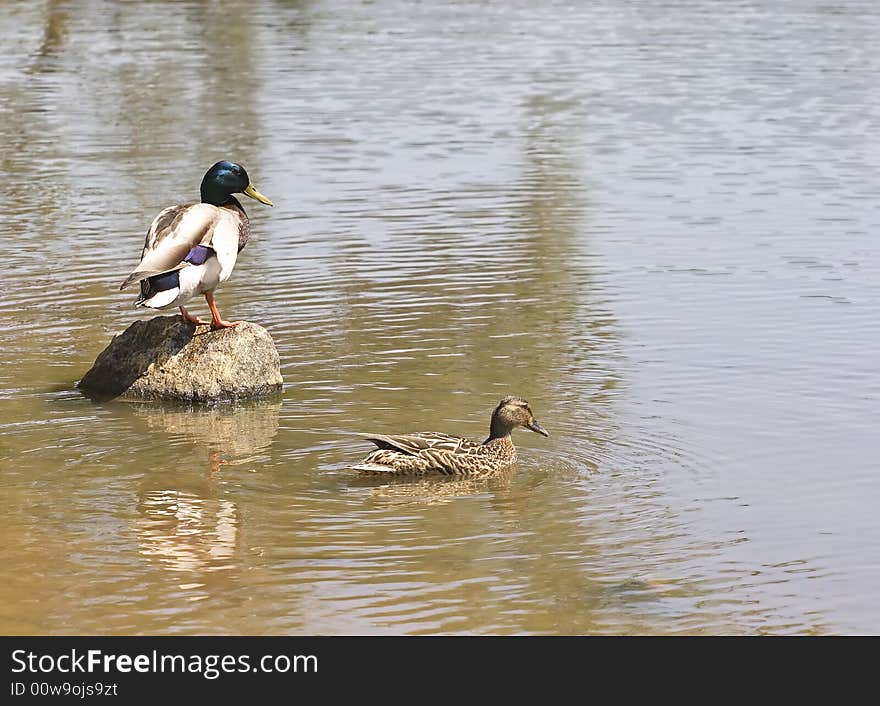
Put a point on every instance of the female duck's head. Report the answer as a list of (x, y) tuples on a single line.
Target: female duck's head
[(513, 412), (227, 178)]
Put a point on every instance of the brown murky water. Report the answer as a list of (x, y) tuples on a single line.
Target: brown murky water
[(656, 221)]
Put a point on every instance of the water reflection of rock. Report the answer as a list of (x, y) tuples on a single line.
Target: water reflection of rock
[(230, 434), (185, 532)]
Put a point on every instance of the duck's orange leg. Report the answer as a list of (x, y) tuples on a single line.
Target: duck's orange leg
[(216, 321), (192, 319)]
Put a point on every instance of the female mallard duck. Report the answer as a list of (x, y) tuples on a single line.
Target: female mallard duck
[(191, 248), (433, 452)]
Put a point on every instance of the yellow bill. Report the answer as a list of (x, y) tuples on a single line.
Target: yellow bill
[(254, 194)]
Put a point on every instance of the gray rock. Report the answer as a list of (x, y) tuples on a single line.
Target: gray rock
[(167, 358)]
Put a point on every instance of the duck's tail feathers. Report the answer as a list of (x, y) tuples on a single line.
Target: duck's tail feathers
[(137, 276), (159, 299), (160, 290)]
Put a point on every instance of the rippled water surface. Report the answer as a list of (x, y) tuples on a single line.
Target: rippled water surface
[(656, 221)]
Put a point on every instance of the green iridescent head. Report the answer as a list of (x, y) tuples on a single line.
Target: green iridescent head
[(225, 179)]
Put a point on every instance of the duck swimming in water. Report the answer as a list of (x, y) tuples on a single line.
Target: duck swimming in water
[(191, 248), (433, 452)]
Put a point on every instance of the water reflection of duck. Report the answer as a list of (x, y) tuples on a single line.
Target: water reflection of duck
[(415, 490), (232, 434), (437, 453), (191, 248), (185, 532)]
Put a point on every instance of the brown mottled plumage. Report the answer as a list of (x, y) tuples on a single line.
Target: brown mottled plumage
[(433, 452)]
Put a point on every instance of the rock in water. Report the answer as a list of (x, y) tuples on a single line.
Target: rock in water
[(167, 358)]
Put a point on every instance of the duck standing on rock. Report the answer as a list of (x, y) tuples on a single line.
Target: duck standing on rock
[(191, 248), (436, 453)]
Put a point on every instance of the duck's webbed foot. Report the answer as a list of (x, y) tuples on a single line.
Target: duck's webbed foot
[(217, 321)]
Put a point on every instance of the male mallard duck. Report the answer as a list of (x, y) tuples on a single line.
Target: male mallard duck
[(433, 452), (191, 248)]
